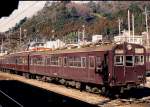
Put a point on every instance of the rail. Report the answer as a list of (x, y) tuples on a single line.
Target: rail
[(16, 102)]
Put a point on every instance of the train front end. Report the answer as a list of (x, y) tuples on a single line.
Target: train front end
[(129, 65)]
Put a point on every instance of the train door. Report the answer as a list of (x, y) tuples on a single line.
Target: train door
[(119, 68), (130, 74), (91, 71), (105, 68)]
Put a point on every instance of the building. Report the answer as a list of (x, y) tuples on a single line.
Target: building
[(96, 38), (126, 37), (49, 45)]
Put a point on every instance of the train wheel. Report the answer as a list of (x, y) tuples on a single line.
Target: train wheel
[(66, 84), (78, 85), (105, 91), (83, 86), (122, 90)]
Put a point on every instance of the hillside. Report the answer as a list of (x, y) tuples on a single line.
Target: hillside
[(64, 19)]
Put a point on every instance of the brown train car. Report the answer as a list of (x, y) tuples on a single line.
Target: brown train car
[(16, 62), (107, 65)]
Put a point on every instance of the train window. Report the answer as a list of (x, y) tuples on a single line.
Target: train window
[(139, 60), (70, 61), (83, 61), (91, 62), (119, 60), (19, 60), (77, 62), (40, 61), (54, 60), (37, 61), (48, 61), (129, 61), (65, 61), (98, 61), (33, 61), (60, 61)]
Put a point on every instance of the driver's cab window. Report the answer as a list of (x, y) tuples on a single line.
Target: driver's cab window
[(119, 60), (129, 61)]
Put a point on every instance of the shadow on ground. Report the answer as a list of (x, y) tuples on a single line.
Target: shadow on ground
[(30, 96)]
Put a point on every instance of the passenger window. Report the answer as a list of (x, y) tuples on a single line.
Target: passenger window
[(91, 62), (129, 61), (40, 61), (83, 61), (54, 60), (139, 60), (119, 60), (60, 61), (98, 61), (65, 61), (48, 61)]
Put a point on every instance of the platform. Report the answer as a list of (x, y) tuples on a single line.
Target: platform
[(59, 89)]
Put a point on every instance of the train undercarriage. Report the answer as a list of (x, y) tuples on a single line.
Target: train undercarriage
[(106, 90)]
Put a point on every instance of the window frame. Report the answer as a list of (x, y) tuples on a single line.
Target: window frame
[(132, 60), (90, 63), (140, 60), (82, 62), (54, 61), (35, 58), (65, 64), (123, 61)]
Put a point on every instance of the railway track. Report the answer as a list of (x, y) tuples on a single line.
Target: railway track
[(7, 100)]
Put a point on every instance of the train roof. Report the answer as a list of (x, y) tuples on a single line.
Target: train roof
[(84, 49), (91, 48)]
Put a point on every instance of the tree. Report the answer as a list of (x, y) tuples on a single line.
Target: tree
[(93, 6)]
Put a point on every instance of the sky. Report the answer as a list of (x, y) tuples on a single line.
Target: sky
[(25, 8)]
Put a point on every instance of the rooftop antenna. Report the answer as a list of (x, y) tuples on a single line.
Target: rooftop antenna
[(129, 24)]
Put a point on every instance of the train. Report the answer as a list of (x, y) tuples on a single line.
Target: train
[(95, 68)]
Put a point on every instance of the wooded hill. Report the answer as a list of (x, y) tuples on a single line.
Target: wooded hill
[(64, 19)]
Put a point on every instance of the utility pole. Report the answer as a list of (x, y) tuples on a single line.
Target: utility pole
[(133, 27), (83, 33), (119, 25), (129, 24), (20, 35), (2, 46), (78, 37), (146, 26), (9, 38)]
